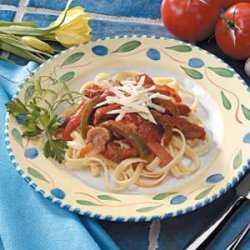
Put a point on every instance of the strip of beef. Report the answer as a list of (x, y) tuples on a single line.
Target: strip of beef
[(94, 90), (168, 91), (116, 153), (148, 81), (162, 89), (175, 109), (184, 110), (190, 130), (168, 105), (101, 113)]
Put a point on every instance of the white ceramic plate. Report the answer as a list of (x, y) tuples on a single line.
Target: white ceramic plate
[(223, 107)]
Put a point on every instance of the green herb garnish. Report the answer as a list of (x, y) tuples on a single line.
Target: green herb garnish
[(40, 109)]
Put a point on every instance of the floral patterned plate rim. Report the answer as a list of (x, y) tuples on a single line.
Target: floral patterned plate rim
[(225, 105)]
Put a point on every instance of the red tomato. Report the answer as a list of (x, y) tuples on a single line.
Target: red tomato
[(228, 3), (190, 20), (233, 35)]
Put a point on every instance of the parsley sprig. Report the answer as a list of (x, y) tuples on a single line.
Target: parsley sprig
[(40, 109)]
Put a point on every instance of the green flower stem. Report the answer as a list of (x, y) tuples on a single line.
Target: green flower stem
[(48, 37), (30, 31), (24, 24), (14, 41), (6, 59), (20, 52)]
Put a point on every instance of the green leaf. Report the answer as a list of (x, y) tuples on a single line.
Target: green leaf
[(237, 160), (226, 103), (55, 149), (147, 209), (195, 74), (17, 136), (16, 107), (73, 58), (67, 76), (45, 118), (246, 112), (54, 123), (203, 193), (222, 72), (162, 196), (36, 174), (31, 128), (107, 197), (126, 47), (29, 93), (32, 133), (87, 203), (180, 48)]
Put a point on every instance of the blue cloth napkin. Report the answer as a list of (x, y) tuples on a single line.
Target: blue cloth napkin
[(28, 221)]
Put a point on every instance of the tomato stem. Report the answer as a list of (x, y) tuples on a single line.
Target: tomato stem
[(231, 25)]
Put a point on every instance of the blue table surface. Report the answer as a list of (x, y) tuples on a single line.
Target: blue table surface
[(112, 18)]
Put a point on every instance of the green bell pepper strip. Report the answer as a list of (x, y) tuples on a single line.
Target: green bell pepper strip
[(87, 110), (133, 137)]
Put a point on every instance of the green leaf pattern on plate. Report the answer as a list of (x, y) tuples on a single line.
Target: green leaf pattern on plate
[(195, 74), (126, 47), (162, 196), (204, 193), (180, 48), (17, 136), (222, 72), (67, 76), (107, 198), (33, 172), (226, 103), (147, 209), (73, 58), (246, 112), (29, 93), (237, 160), (87, 203)]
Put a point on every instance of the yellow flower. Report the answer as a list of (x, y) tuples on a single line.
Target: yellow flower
[(38, 44), (75, 28)]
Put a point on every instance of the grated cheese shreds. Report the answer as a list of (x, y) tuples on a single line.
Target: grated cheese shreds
[(133, 98), (156, 107)]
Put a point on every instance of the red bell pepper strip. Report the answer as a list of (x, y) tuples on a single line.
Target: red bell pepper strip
[(160, 151), (73, 123)]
